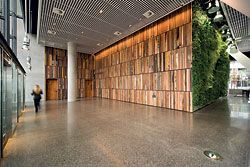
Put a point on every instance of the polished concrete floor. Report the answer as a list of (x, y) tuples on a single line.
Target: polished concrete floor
[(101, 132)]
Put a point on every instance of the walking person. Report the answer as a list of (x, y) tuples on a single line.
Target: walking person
[(37, 92)]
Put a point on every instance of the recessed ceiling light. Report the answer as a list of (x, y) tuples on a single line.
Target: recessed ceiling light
[(148, 14), (117, 33), (99, 44), (54, 24), (51, 32), (130, 25), (101, 11), (82, 32), (58, 11), (140, 18)]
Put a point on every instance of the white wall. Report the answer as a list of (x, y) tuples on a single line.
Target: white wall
[(37, 54)]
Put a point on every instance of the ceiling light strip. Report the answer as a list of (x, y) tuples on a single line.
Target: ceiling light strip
[(236, 20)]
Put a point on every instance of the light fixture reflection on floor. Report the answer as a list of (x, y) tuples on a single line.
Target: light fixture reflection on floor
[(213, 155)]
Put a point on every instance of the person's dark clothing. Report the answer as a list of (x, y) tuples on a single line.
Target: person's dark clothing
[(36, 104), (37, 98)]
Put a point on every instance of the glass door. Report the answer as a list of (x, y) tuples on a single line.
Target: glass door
[(20, 95), (6, 97), (14, 97)]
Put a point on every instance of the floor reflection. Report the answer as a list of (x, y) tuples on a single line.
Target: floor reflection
[(239, 107), (101, 132)]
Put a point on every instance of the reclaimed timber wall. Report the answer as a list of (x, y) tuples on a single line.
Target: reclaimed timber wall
[(56, 68), (85, 71), (151, 66)]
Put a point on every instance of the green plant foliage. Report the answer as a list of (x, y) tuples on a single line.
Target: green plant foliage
[(221, 74), (210, 66)]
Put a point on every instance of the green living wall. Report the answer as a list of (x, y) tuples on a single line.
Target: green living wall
[(210, 65)]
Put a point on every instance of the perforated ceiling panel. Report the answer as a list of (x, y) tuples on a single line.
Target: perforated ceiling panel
[(237, 20), (84, 24), (239, 24)]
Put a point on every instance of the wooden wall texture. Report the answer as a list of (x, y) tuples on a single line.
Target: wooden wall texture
[(151, 66), (56, 68), (85, 67)]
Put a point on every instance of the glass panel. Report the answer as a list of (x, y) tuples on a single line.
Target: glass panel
[(239, 76), (20, 93), (2, 25), (14, 97), (1, 16), (6, 97), (1, 8), (23, 92)]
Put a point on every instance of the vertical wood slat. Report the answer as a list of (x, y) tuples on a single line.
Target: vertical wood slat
[(56, 68), (56, 61), (152, 66)]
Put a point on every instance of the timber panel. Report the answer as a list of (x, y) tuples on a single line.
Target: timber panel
[(151, 66)]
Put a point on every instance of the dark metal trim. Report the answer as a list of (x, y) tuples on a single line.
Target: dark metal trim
[(13, 14), (7, 20), (1, 114), (7, 48), (19, 17)]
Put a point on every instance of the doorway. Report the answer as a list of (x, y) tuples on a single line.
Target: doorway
[(88, 88), (52, 89)]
